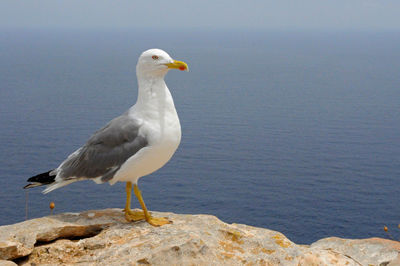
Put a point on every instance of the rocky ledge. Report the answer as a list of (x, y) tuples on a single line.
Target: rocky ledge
[(103, 237)]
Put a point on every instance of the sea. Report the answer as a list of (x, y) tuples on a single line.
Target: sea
[(297, 132)]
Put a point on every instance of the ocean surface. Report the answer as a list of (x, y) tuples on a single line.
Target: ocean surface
[(297, 132)]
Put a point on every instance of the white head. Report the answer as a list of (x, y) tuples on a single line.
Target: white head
[(156, 62)]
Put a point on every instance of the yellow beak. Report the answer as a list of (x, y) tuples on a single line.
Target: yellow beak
[(178, 65)]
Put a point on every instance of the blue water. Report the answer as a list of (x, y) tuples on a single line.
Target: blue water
[(295, 132)]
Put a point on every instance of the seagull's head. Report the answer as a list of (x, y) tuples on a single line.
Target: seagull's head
[(157, 62)]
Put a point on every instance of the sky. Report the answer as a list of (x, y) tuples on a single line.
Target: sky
[(202, 14)]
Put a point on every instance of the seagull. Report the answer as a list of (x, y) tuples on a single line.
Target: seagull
[(132, 145)]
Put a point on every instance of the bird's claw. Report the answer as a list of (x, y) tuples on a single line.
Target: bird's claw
[(133, 216), (158, 221)]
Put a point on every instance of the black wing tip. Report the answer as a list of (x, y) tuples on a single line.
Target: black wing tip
[(40, 177), (40, 180)]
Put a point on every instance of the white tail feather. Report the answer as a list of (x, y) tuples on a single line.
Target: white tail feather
[(58, 185)]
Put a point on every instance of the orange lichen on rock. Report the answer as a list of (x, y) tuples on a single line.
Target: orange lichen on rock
[(228, 247), (281, 241)]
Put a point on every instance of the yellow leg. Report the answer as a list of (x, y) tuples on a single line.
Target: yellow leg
[(130, 215), (151, 220)]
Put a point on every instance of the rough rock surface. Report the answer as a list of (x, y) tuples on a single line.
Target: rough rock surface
[(103, 237)]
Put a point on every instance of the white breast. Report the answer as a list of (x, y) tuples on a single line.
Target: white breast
[(163, 133)]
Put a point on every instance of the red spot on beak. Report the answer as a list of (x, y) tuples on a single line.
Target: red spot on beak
[(182, 68)]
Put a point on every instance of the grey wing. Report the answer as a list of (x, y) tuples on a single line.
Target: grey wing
[(105, 152)]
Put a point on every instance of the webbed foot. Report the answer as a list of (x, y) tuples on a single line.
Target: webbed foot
[(158, 221), (133, 216)]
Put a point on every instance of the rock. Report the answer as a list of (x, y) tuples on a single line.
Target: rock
[(375, 251), (7, 263), (103, 237)]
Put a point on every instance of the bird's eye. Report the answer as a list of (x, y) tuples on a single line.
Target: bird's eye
[(155, 57)]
